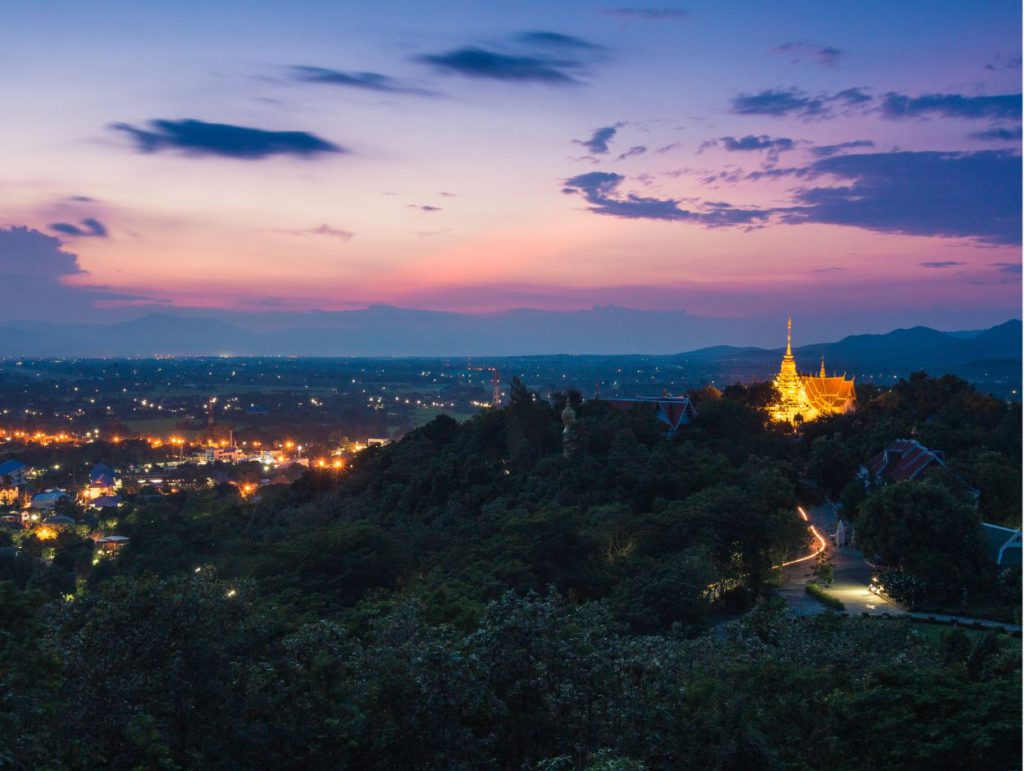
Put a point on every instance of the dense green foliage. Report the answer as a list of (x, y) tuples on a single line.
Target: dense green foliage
[(979, 435), (471, 598), (183, 673), (922, 528)]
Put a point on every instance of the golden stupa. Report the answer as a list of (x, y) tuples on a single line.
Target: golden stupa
[(809, 397)]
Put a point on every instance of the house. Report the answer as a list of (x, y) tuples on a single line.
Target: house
[(673, 411), (9, 494), (103, 482), (903, 460), (1002, 544), (225, 454), (58, 520), (46, 501), (14, 472), (112, 543)]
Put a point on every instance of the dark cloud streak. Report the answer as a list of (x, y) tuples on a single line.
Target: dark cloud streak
[(997, 107), (1007, 267), (481, 63), (771, 146), (806, 49), (199, 138), (366, 81), (632, 152), (90, 227), (598, 142), (997, 135), (319, 230), (970, 195), (557, 40), (826, 151), (779, 102), (967, 195), (601, 190)]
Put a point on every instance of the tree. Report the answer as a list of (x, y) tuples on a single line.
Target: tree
[(149, 666), (923, 528), (28, 680), (832, 464), (852, 496)]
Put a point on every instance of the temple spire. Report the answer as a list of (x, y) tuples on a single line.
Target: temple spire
[(789, 336), (822, 373)]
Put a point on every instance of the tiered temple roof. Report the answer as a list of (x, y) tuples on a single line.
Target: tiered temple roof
[(808, 397)]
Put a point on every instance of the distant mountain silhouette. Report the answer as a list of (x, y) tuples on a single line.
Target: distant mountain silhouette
[(382, 331), (992, 353), (379, 330)]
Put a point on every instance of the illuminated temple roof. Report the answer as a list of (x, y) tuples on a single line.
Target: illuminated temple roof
[(808, 397), (830, 394)]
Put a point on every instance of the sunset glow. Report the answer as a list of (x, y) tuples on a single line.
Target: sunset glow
[(798, 161)]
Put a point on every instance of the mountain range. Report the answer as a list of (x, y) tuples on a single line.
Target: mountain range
[(383, 331), (917, 348)]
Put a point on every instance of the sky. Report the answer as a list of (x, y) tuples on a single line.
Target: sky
[(856, 166)]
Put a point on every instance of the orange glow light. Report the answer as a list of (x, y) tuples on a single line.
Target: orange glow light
[(814, 531)]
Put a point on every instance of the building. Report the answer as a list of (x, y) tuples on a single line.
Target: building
[(103, 482), (48, 500), (14, 472), (1002, 544), (105, 502), (903, 460), (808, 397), (58, 520), (225, 454), (10, 495), (673, 411), (112, 543)]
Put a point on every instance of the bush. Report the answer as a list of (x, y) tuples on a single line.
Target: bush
[(904, 588), (829, 600)]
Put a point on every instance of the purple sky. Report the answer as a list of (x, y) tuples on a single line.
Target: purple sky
[(855, 166)]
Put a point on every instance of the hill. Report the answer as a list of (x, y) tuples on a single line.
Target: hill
[(473, 596)]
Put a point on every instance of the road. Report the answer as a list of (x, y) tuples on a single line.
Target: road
[(851, 574)]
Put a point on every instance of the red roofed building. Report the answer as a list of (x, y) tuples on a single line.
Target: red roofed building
[(673, 411), (903, 460)]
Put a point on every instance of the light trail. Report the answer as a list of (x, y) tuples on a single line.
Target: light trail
[(815, 533)]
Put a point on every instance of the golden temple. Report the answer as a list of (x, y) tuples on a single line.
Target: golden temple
[(808, 397)]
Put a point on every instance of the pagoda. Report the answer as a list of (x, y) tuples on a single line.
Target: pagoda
[(808, 397)]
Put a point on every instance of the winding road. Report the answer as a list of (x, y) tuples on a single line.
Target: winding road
[(851, 578), (851, 573)]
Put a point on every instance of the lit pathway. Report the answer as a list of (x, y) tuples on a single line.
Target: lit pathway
[(851, 574)]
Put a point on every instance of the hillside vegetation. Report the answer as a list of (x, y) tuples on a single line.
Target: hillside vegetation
[(472, 597)]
